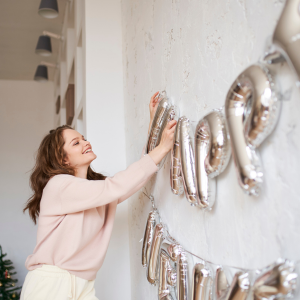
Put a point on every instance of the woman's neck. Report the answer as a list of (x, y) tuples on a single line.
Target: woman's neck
[(81, 172)]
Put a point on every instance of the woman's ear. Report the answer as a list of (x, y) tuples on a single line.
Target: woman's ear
[(66, 162)]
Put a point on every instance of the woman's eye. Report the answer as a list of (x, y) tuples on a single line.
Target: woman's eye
[(76, 143)]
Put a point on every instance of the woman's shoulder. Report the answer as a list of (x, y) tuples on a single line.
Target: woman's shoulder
[(60, 177), (56, 181)]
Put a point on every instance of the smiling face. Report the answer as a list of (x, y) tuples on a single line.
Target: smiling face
[(79, 151)]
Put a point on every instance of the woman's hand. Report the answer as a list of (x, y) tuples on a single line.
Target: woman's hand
[(154, 101), (166, 143)]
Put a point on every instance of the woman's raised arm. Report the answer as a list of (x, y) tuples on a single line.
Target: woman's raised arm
[(65, 194)]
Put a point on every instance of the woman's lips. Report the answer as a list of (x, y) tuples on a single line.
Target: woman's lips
[(88, 151)]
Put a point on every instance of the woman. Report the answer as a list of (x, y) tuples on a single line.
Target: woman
[(76, 208)]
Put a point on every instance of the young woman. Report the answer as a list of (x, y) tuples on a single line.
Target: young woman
[(76, 208)]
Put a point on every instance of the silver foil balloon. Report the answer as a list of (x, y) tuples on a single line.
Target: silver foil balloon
[(165, 112), (187, 161), (183, 277), (287, 34), (167, 278), (159, 235), (212, 153), (148, 236), (171, 247), (278, 280), (179, 261), (252, 110), (220, 284), (175, 166), (201, 283), (239, 288), (169, 252)]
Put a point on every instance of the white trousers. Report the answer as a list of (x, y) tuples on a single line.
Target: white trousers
[(53, 283)]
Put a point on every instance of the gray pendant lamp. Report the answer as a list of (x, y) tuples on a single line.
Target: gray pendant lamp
[(48, 9), (43, 46), (41, 73)]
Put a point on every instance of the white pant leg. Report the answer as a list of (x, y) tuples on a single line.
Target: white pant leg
[(51, 282)]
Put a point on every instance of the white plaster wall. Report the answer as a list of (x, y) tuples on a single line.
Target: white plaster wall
[(26, 116), (105, 131), (194, 50)]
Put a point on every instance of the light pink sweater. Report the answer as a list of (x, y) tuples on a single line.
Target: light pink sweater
[(77, 216)]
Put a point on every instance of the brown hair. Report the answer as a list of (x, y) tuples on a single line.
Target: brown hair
[(50, 162)]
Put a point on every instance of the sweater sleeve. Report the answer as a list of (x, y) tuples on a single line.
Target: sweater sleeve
[(77, 194), (138, 186)]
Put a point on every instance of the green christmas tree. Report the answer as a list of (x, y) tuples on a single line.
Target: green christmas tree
[(8, 291)]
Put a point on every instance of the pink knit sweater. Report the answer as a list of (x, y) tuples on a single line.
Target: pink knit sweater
[(77, 216)]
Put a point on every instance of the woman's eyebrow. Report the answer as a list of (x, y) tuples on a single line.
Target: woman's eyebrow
[(74, 139)]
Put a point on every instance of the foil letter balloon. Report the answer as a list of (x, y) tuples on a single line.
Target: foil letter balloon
[(239, 287), (165, 112), (278, 280), (148, 236), (182, 277), (158, 237), (167, 278), (252, 110), (175, 168), (221, 284), (287, 34), (212, 153), (171, 247), (202, 283), (169, 252), (187, 161)]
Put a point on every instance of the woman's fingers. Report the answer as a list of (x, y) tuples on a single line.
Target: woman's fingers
[(154, 98), (167, 135), (171, 124)]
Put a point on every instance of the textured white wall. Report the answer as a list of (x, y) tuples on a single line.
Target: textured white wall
[(26, 116), (194, 50)]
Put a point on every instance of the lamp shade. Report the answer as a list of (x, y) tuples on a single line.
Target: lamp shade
[(43, 46), (48, 9), (41, 73)]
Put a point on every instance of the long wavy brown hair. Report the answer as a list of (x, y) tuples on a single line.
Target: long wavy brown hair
[(50, 162)]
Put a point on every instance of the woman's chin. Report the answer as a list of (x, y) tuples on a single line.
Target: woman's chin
[(94, 157)]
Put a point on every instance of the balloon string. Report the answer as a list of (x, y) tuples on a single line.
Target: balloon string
[(151, 198)]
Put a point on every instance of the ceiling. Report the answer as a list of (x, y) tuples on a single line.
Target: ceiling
[(20, 28)]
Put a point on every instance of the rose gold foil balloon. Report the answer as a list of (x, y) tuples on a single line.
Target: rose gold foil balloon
[(169, 252), (175, 166), (239, 287), (165, 112), (159, 235), (212, 153), (202, 283), (148, 236), (183, 280), (252, 109), (167, 278), (187, 161), (287, 34), (278, 280), (221, 285)]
